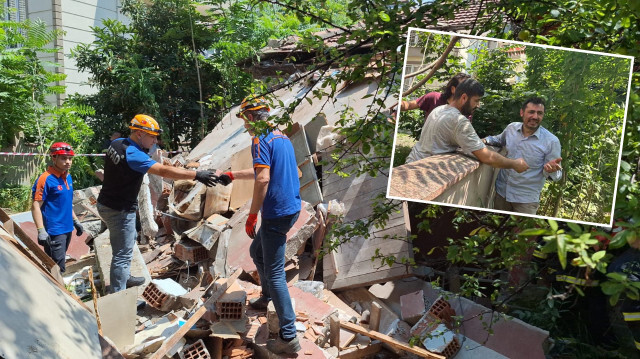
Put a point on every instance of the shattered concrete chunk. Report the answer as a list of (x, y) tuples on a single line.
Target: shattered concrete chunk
[(313, 287)]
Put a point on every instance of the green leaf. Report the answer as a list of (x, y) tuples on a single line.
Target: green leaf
[(384, 16), (574, 227), (533, 232), (562, 250), (598, 255), (554, 225)]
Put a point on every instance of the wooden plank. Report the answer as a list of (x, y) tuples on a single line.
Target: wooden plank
[(359, 353), (242, 191), (175, 337), (334, 331), (374, 319), (24, 237), (387, 339)]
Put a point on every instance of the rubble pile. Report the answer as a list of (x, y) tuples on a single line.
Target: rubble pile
[(193, 252)]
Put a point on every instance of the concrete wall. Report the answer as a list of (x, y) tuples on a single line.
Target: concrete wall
[(476, 189)]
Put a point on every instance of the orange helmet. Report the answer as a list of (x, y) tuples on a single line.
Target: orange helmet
[(251, 104), (61, 148), (146, 124)]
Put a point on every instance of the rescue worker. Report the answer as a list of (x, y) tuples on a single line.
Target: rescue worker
[(276, 195), (52, 207), (126, 163)]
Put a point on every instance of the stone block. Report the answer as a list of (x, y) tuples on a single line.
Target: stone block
[(412, 306)]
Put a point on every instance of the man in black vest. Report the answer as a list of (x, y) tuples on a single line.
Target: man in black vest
[(125, 166)]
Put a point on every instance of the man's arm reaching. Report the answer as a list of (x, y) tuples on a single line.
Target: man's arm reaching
[(496, 160)]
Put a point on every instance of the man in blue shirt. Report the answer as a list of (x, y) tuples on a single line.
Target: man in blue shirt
[(52, 207), (520, 192), (276, 194), (126, 164)]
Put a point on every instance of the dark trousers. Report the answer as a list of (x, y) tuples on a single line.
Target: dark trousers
[(57, 247)]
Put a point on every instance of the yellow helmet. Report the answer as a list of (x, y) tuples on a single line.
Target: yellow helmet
[(146, 124), (251, 104)]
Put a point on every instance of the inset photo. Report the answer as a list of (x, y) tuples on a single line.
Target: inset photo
[(510, 127)]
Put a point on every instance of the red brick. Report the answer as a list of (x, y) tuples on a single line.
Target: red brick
[(196, 350), (190, 251), (154, 296)]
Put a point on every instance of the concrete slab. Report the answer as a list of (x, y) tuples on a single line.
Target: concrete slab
[(103, 256), (118, 316), (412, 307), (38, 319)]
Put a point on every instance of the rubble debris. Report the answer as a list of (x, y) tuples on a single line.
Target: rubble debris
[(206, 233), (220, 267), (441, 340), (231, 305), (313, 287), (196, 350), (118, 316), (217, 200), (190, 251), (389, 340), (186, 199), (163, 294)]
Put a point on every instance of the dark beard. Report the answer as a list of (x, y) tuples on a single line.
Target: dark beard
[(466, 109)]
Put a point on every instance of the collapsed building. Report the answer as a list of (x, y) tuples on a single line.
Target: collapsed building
[(193, 252)]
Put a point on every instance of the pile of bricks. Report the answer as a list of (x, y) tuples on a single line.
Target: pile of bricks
[(196, 350)]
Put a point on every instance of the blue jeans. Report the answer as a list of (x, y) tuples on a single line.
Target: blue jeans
[(122, 235), (56, 248), (267, 251)]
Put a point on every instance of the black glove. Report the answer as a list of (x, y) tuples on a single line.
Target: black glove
[(43, 237), (206, 177), (78, 226), (224, 179)]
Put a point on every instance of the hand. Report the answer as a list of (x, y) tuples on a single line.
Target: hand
[(250, 226), (520, 165), (78, 227), (206, 177), (43, 237), (225, 178), (553, 165)]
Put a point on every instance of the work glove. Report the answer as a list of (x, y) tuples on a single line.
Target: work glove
[(225, 178), (206, 177), (250, 226), (43, 237), (78, 227)]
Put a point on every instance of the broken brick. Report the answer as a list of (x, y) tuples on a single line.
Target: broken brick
[(190, 251), (196, 350)]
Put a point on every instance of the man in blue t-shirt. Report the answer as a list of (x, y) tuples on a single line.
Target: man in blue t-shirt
[(126, 164), (52, 207), (276, 194)]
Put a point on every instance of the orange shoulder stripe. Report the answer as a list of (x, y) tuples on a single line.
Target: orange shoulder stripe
[(40, 186)]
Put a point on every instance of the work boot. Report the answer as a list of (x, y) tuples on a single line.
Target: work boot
[(260, 303), (281, 346), (134, 281)]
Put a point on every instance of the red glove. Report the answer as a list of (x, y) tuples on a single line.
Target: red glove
[(230, 175), (250, 226)]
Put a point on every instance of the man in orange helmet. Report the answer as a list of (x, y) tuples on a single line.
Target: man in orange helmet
[(125, 166), (276, 195), (52, 207)]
